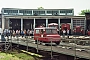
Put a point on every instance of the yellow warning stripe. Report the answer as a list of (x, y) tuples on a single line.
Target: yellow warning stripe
[(31, 53)]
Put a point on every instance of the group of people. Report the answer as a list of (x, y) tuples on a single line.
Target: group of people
[(65, 32), (22, 33)]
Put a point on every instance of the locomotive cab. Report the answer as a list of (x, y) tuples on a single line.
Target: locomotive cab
[(65, 27), (78, 30), (55, 25), (46, 35)]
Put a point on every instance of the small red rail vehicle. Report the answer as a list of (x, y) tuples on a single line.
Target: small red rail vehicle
[(46, 35)]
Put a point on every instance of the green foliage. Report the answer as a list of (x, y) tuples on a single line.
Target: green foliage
[(84, 11), (4, 56), (40, 8), (15, 55)]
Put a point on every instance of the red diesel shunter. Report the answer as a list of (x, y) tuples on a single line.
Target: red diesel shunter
[(53, 25), (46, 35), (65, 26), (78, 30)]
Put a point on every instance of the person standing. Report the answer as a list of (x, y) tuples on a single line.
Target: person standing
[(64, 33), (22, 33), (14, 33), (68, 33)]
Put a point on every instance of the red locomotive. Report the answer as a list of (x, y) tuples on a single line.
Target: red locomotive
[(65, 26), (78, 30), (88, 32), (46, 35), (53, 25)]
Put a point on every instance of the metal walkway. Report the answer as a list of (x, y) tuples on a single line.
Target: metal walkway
[(62, 49)]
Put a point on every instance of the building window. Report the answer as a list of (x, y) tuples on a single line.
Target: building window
[(49, 12), (62, 11), (39, 12), (52, 12), (10, 11), (37, 32), (36, 12), (55, 12), (21, 11), (68, 11), (26, 12)]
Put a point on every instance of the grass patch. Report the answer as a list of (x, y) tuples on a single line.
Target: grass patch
[(4, 56), (16, 55)]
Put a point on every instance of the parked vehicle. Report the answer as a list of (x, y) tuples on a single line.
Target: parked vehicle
[(46, 35)]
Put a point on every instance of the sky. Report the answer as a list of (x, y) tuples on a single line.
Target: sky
[(77, 5)]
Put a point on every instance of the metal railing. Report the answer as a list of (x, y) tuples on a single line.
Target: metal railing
[(28, 38)]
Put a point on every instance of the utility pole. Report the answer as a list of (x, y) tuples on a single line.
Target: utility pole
[(75, 47), (27, 43), (51, 49), (37, 44)]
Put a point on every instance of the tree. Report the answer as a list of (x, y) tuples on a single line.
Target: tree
[(40, 8), (84, 11)]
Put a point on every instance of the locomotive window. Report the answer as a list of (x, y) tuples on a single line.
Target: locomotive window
[(51, 31), (37, 31), (48, 31), (54, 31), (41, 30), (53, 26)]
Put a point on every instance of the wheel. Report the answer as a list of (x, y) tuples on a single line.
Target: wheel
[(46, 44), (35, 41), (57, 43)]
